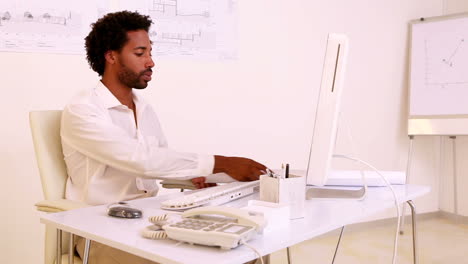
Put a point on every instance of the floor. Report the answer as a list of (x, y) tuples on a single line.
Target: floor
[(441, 240)]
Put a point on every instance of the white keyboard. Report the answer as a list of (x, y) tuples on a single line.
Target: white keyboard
[(212, 196)]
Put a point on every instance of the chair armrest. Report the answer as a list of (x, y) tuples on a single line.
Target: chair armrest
[(59, 205), (178, 184)]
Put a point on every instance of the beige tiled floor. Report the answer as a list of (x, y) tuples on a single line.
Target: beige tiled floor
[(440, 241)]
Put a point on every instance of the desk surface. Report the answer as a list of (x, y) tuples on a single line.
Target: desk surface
[(321, 217)]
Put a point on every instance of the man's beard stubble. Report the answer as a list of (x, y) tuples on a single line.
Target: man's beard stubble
[(132, 79)]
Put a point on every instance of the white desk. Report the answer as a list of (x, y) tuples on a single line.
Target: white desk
[(321, 217)]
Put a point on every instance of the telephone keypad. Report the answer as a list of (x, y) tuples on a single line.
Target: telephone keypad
[(200, 224)]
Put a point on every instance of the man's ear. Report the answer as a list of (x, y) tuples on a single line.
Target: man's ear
[(110, 56)]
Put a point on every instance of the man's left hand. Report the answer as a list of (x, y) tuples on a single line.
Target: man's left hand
[(200, 183)]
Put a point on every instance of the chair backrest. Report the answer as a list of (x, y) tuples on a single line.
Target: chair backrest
[(45, 129)]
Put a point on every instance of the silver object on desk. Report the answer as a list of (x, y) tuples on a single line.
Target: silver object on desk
[(123, 210)]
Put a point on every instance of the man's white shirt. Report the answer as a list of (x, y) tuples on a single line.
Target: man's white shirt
[(111, 158)]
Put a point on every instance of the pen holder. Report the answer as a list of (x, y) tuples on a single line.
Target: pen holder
[(290, 191)]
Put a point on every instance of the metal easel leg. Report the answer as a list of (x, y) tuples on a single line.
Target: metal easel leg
[(413, 220), (338, 244), (71, 249), (454, 158), (86, 251), (408, 170), (58, 258)]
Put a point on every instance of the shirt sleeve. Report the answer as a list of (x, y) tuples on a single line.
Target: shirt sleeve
[(90, 131)]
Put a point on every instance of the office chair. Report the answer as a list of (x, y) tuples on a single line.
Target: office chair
[(45, 130)]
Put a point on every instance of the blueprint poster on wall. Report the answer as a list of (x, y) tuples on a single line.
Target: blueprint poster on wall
[(48, 25), (202, 29), (190, 28)]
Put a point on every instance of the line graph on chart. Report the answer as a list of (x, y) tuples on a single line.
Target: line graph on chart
[(439, 67), (446, 61)]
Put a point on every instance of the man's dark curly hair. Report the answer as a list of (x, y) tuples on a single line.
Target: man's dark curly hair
[(110, 33)]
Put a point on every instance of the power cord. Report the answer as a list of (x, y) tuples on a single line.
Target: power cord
[(353, 152), (397, 203), (252, 248)]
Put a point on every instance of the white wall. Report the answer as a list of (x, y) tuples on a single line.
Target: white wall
[(260, 105), (456, 6)]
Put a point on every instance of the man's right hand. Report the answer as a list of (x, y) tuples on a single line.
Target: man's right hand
[(241, 169)]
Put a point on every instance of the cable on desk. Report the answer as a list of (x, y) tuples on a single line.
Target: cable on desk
[(353, 153), (397, 203), (158, 220), (153, 232), (252, 248)]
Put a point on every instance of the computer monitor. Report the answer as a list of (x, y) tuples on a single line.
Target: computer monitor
[(328, 108), (326, 121)]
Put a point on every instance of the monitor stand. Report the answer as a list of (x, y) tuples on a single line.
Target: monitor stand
[(320, 193)]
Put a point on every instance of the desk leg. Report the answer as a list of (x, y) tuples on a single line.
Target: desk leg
[(58, 258), (86, 251), (338, 244), (413, 220), (288, 255), (71, 249)]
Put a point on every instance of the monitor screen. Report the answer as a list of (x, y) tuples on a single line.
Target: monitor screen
[(328, 108)]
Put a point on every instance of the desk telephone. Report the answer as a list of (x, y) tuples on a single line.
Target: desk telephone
[(225, 227)]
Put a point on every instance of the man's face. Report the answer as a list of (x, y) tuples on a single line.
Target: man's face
[(134, 60)]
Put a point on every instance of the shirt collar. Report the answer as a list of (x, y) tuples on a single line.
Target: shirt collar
[(110, 101), (107, 98), (140, 103)]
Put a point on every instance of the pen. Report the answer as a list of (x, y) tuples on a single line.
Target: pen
[(286, 173)]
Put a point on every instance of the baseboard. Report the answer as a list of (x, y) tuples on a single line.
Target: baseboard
[(459, 219)]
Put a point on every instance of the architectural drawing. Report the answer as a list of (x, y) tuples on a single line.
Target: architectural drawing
[(39, 31), (182, 28), (191, 28), (50, 26)]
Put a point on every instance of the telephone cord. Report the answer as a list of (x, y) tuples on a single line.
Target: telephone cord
[(254, 249), (155, 230)]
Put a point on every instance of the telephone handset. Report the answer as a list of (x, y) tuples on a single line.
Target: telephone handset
[(225, 227)]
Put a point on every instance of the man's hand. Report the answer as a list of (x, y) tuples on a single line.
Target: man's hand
[(241, 169), (200, 183)]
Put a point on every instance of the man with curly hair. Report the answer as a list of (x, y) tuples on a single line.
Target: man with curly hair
[(112, 141)]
